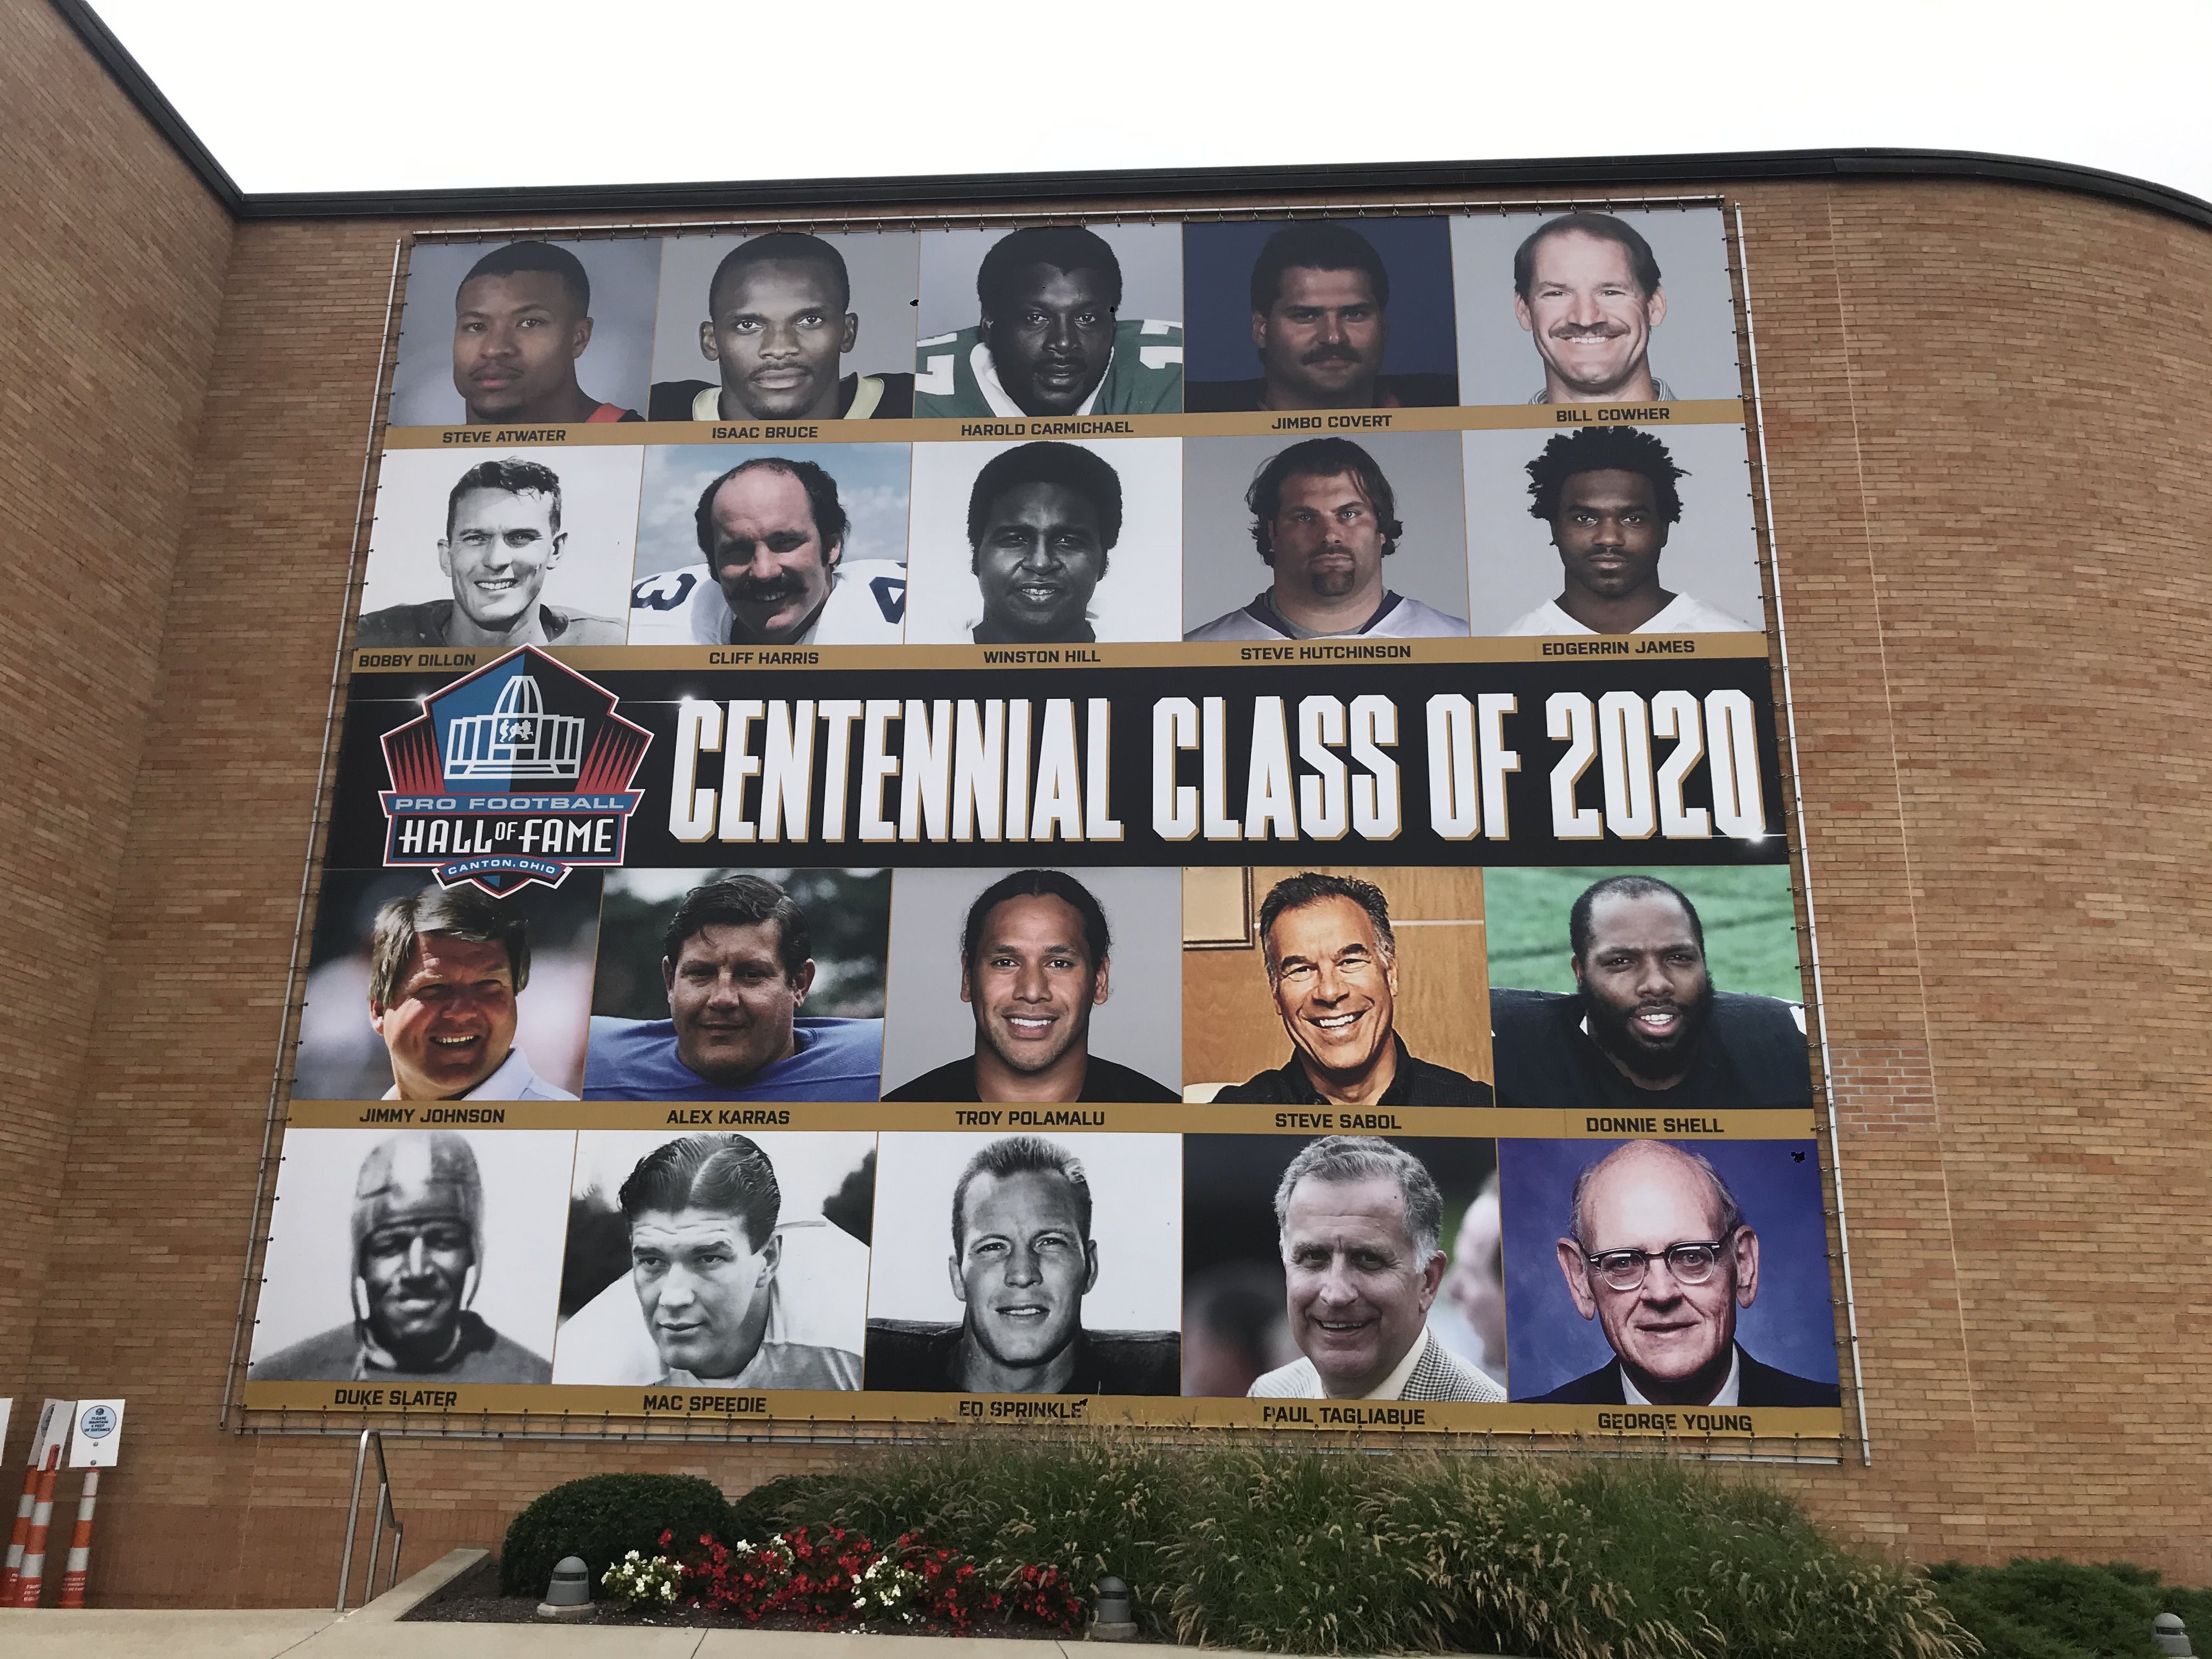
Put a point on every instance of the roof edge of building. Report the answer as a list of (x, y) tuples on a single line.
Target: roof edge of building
[(1580, 176)]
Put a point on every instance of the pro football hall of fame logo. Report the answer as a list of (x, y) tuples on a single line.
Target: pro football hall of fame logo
[(521, 772)]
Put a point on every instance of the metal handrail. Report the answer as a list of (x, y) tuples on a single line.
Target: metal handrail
[(383, 1512)]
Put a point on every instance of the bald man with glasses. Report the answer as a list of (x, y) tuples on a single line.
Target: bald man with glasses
[(1660, 1254)]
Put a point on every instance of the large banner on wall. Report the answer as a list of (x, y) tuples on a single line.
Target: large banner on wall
[(1166, 822)]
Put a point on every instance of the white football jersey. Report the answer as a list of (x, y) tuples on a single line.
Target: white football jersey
[(685, 606)]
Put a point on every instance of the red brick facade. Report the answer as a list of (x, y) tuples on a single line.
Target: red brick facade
[(1991, 563)]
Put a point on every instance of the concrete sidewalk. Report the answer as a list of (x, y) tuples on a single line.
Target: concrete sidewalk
[(374, 1632)]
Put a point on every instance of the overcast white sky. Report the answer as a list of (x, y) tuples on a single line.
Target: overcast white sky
[(427, 94)]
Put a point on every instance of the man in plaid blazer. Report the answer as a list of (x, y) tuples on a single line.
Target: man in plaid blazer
[(1359, 1220)]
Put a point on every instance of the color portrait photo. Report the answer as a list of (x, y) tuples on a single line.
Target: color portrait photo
[(1667, 1273), (785, 326), (526, 333), (420, 991), (1598, 306), (730, 984)]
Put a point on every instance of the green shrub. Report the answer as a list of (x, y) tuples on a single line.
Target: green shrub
[(2054, 1609), (761, 1512), (601, 1516), (1286, 1548)]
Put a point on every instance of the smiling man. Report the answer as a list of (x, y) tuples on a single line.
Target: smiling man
[(779, 323), (1034, 960), (1042, 521), (1586, 288), (705, 1257), (1321, 325), (1331, 962), (1358, 1220), (503, 538), (1609, 495), (1324, 518), (1658, 1252), (521, 318), (419, 1252), (1023, 1260), (446, 966), (774, 533), (1050, 341), (1645, 1030), (736, 965)]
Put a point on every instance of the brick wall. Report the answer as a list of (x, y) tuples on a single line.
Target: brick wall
[(110, 290), (1993, 576)]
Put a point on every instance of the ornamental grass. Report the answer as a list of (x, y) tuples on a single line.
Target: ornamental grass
[(1289, 1549)]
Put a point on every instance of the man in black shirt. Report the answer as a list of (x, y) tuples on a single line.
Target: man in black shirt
[(1645, 1030), (1332, 963), (1321, 326), (1023, 1261), (1033, 964)]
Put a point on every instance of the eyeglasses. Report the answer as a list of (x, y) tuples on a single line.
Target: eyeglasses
[(1690, 1262)]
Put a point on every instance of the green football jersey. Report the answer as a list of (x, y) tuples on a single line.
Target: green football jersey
[(954, 375)]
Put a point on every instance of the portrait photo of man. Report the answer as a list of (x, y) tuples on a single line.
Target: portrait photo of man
[(1050, 338), (716, 1258), (1323, 518), (1051, 543), (448, 968), (1586, 288), (780, 320), (415, 1259), (1331, 958), (525, 334), (772, 531), (1024, 1261), (736, 969), (521, 319), (704, 1259), (1359, 1221), (1320, 293), (1609, 495), (1035, 960), (1645, 1029), (1659, 1253), (503, 538)]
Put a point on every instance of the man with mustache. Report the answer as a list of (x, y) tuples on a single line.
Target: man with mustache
[(1042, 520), (1645, 1030), (1034, 962), (1331, 962), (1658, 1252), (1586, 287), (735, 963), (779, 323), (1050, 340), (1023, 1260), (1320, 300), (1609, 494), (521, 318), (775, 573), (1324, 518), (418, 1253), (503, 538)]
